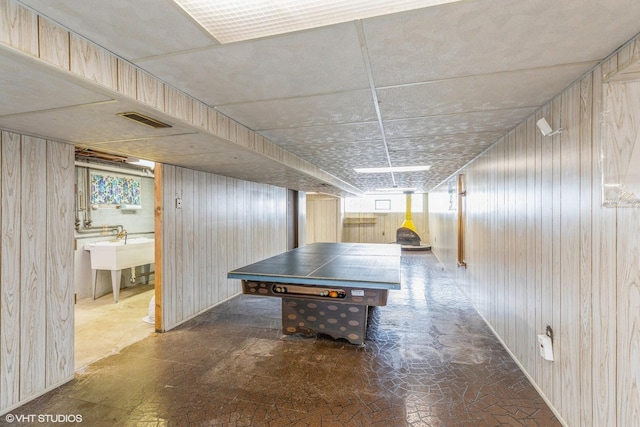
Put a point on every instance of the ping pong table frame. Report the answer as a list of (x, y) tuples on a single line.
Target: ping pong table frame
[(318, 305)]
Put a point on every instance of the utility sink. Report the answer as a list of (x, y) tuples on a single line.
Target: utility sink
[(118, 255)]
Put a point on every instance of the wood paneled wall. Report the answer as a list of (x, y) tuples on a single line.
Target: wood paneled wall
[(372, 227), (541, 250), (324, 222), (224, 223), (380, 227), (36, 267)]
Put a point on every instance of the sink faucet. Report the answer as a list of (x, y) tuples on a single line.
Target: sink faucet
[(122, 234)]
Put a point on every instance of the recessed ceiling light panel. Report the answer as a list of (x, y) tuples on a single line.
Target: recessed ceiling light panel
[(392, 190), (235, 20), (393, 169)]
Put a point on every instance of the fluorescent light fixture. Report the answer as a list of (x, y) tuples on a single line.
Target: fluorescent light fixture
[(235, 20), (393, 190), (392, 169), (139, 162)]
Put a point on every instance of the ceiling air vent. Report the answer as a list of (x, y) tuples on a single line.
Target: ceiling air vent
[(141, 118)]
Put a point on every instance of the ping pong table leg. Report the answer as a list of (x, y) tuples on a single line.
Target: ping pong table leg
[(336, 319)]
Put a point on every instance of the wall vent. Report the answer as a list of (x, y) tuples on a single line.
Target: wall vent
[(145, 120)]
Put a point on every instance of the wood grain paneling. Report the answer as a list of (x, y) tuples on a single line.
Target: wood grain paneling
[(59, 275), (224, 231), (584, 122), (54, 44), (364, 227), (510, 242), (150, 91), (200, 115), (159, 236), (501, 226), (127, 79), (604, 336), (178, 104), (36, 267), (223, 222), (521, 322), (33, 217), (177, 254), (10, 171), (556, 254), (187, 246), (621, 144), (569, 335), (628, 324), (212, 238), (538, 209), (18, 27), (222, 125), (530, 344), (561, 258), (201, 260), (324, 219), (94, 63)]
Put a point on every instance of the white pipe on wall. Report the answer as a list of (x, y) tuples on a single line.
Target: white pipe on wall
[(144, 173)]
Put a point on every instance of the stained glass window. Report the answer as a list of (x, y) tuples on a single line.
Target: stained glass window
[(114, 190)]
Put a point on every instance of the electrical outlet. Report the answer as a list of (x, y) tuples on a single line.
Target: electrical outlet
[(178, 203), (546, 347)]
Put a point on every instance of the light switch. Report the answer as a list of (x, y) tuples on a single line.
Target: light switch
[(178, 203)]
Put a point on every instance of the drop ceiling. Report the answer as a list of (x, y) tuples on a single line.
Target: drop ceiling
[(449, 81)]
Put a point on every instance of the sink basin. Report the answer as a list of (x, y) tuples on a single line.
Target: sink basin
[(116, 256)]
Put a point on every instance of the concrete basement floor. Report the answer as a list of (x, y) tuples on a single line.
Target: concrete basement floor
[(429, 360), (103, 328)]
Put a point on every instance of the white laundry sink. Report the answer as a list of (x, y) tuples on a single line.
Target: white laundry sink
[(118, 255)]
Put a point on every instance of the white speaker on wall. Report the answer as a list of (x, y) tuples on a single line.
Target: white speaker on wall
[(545, 128)]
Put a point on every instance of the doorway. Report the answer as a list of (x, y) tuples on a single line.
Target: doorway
[(114, 207)]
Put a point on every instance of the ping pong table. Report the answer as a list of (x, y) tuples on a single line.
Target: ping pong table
[(326, 287)]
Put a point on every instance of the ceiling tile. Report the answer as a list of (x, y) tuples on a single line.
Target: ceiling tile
[(367, 131), (97, 122), (290, 65), (336, 108), (26, 88), (441, 144), (480, 37), (171, 148), (514, 89), (483, 121)]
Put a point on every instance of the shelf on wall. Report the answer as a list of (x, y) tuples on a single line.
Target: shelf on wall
[(357, 221)]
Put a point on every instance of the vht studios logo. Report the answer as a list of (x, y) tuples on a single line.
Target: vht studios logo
[(43, 418)]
